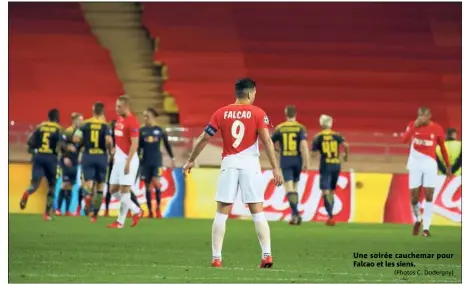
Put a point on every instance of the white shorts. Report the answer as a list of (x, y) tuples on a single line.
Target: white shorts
[(422, 177), (117, 176), (249, 180)]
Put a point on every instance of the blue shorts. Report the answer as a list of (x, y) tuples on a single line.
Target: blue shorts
[(69, 174), (94, 168), (329, 177), (44, 165), (147, 173), (292, 173)]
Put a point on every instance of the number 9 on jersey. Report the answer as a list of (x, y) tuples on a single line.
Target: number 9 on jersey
[(237, 132)]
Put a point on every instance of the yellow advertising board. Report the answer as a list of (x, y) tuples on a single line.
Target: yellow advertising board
[(359, 197), (19, 177)]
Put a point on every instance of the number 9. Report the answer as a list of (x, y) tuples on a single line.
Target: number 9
[(237, 132)]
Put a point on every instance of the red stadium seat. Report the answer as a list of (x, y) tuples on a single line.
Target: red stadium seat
[(55, 61), (370, 65)]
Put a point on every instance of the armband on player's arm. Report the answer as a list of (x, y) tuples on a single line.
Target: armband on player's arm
[(203, 139), (210, 130)]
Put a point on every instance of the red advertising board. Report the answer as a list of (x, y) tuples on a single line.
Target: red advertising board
[(447, 200)]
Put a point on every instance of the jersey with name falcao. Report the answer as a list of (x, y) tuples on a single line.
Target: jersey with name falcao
[(239, 125)]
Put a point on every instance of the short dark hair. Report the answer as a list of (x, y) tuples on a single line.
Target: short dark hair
[(290, 111), (450, 131), (243, 87), (152, 111), (99, 108), (54, 115), (423, 110)]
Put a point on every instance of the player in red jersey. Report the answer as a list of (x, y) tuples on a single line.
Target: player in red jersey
[(125, 162), (424, 135), (240, 124)]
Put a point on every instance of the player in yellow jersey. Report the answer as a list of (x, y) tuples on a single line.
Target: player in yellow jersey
[(290, 138)]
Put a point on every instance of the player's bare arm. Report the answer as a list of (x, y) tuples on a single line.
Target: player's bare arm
[(202, 141), (305, 154), (108, 142), (345, 156), (264, 135), (109, 146), (132, 152)]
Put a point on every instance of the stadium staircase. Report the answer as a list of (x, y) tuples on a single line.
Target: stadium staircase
[(118, 28), (55, 61), (369, 65)]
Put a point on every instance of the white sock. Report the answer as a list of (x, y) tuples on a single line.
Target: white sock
[(123, 209), (427, 215), (416, 212), (126, 198), (263, 232), (218, 231)]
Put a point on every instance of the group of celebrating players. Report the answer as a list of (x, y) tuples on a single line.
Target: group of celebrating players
[(100, 148), (241, 125)]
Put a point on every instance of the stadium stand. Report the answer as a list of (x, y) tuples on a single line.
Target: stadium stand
[(55, 61), (118, 28), (370, 78), (327, 59)]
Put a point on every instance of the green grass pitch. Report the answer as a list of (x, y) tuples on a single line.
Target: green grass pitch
[(71, 249)]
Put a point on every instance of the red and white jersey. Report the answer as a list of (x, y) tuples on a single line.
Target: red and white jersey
[(239, 124), (423, 140), (125, 129)]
